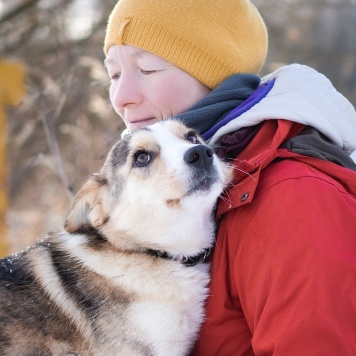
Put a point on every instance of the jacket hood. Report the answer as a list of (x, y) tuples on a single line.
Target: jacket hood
[(301, 94)]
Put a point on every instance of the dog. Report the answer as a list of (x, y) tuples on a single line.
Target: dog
[(126, 274)]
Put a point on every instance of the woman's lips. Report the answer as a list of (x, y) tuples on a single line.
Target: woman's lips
[(134, 125)]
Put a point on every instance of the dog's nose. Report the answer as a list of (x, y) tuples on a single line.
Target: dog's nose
[(199, 156)]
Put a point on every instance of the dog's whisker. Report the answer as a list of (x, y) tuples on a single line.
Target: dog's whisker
[(244, 172)]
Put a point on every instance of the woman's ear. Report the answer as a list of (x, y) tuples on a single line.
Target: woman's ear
[(90, 206)]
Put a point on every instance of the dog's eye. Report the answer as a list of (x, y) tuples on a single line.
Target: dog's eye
[(142, 158), (192, 138)]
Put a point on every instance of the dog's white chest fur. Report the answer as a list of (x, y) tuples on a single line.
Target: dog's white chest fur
[(172, 323)]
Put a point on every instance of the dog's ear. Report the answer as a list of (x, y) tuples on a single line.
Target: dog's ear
[(90, 206)]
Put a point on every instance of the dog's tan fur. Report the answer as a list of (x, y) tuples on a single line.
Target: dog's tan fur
[(102, 285)]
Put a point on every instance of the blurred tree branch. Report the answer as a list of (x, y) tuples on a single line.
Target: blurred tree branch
[(52, 143), (18, 10)]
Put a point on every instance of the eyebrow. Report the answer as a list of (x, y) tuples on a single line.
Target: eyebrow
[(137, 54)]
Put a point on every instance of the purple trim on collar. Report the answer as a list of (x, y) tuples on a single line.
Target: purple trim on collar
[(252, 100)]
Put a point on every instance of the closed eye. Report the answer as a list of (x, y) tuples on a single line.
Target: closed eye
[(148, 72)]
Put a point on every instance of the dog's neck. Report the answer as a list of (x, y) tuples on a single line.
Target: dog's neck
[(97, 239), (187, 261)]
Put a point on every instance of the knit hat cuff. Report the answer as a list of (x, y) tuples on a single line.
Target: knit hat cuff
[(170, 46)]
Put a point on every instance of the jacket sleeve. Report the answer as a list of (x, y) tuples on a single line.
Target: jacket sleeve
[(289, 263)]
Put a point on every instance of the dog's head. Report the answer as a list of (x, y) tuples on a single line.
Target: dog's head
[(156, 190)]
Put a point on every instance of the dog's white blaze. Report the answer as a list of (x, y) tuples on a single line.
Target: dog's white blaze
[(174, 147)]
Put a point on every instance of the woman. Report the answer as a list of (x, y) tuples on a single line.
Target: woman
[(284, 267)]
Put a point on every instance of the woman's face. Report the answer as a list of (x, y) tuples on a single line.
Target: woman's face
[(146, 88)]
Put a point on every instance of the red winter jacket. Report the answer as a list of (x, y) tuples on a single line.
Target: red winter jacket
[(284, 265)]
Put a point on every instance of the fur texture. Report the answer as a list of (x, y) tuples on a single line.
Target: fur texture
[(95, 287)]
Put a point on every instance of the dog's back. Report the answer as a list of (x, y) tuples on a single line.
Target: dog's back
[(27, 314), (52, 303)]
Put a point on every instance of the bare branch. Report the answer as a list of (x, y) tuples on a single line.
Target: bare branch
[(18, 10), (54, 147)]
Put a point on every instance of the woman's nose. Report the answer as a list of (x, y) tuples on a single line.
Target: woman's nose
[(126, 91)]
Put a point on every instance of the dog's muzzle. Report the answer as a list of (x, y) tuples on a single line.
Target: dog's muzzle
[(200, 160)]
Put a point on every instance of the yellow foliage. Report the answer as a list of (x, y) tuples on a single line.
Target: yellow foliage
[(12, 90)]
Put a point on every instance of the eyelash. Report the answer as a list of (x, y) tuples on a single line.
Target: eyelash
[(117, 76), (148, 72)]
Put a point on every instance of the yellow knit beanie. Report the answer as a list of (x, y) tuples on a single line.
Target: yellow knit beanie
[(209, 39)]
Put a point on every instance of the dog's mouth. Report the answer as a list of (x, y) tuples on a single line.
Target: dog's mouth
[(200, 160), (203, 184)]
